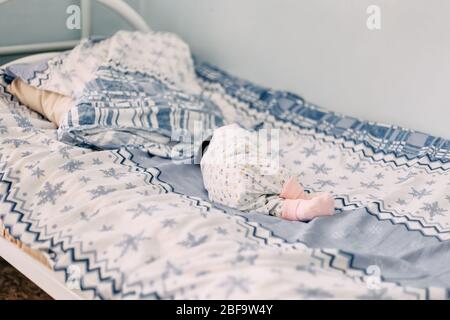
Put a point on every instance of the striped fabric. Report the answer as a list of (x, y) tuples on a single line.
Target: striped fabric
[(120, 108), (133, 89)]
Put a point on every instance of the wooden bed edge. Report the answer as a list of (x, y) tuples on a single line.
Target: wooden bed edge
[(37, 272), (39, 256)]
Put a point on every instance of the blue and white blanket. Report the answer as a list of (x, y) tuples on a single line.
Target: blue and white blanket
[(133, 89), (137, 226)]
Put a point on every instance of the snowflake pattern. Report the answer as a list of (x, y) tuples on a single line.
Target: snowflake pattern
[(50, 193), (406, 178), (106, 228), (371, 185), (72, 166), (221, 231), (248, 259), (309, 152), (112, 173), (37, 172), (433, 209), (97, 162), (23, 122), (16, 142), (379, 176), (193, 241), (320, 169), (64, 152), (355, 168), (321, 183), (170, 270), (168, 223), (143, 210), (131, 242), (66, 209), (100, 191), (130, 186), (85, 179), (419, 194)]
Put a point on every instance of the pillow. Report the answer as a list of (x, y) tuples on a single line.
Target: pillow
[(51, 105)]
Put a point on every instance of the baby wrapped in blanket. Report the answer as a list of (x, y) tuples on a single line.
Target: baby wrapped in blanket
[(158, 87), (241, 170)]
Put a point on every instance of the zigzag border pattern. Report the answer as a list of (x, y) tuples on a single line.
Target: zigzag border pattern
[(340, 260), (325, 257), (222, 82)]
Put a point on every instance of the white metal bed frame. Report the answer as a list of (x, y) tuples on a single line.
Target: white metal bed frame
[(43, 277), (128, 13)]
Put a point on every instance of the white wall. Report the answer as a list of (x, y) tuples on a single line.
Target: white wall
[(34, 21), (322, 50)]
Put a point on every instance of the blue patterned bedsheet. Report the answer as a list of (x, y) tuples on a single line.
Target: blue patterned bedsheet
[(402, 255), (137, 226)]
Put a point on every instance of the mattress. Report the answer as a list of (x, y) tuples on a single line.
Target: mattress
[(138, 226)]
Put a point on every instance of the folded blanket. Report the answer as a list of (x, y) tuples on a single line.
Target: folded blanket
[(133, 89)]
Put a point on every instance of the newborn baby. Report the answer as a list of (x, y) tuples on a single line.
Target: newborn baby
[(234, 173), (237, 175)]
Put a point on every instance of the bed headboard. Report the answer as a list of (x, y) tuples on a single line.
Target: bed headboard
[(119, 6)]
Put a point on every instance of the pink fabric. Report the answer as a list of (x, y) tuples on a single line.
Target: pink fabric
[(308, 209), (292, 189), (289, 211)]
